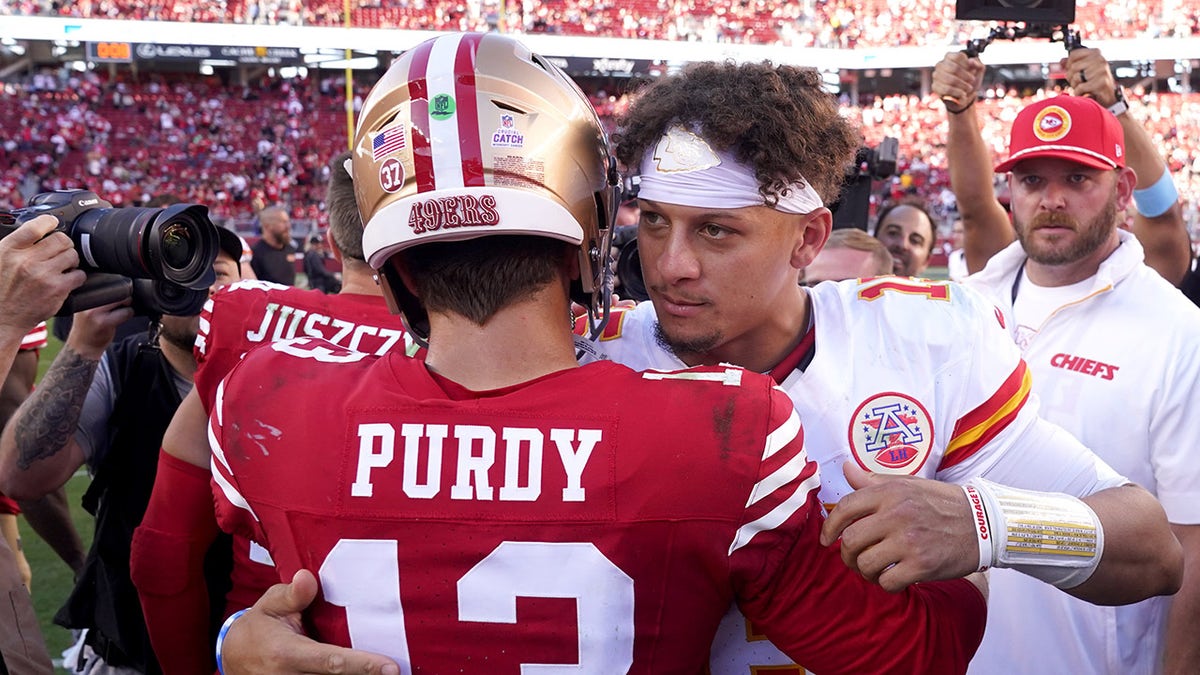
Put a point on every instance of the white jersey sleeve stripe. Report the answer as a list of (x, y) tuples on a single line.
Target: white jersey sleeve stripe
[(216, 420), (36, 338), (231, 493), (785, 434), (778, 478), (218, 464), (777, 516)]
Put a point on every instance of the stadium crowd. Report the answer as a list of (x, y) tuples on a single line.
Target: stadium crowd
[(813, 23), (270, 142)]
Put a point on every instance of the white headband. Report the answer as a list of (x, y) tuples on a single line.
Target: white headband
[(684, 169)]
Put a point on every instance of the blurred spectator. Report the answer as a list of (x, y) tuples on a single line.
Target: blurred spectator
[(849, 253), (956, 259), (319, 278), (274, 254), (908, 231)]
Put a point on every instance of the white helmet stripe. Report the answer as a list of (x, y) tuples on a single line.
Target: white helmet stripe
[(439, 82)]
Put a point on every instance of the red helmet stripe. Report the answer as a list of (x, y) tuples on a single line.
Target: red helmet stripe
[(418, 92), (468, 113)]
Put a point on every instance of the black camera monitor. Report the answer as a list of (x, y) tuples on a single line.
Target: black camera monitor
[(1053, 12)]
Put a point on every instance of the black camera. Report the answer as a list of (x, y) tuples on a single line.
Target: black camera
[(1042, 19), (1049, 12), (163, 256), (853, 207), (628, 268), (878, 162)]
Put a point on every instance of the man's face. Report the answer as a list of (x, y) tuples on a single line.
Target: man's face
[(838, 264), (908, 236), (1064, 212), (720, 279), (280, 226)]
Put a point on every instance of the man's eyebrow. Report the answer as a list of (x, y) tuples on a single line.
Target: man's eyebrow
[(704, 214)]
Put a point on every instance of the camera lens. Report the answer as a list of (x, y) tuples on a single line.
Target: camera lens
[(177, 246)]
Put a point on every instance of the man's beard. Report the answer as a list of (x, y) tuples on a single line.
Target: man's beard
[(180, 331), (696, 345), (1088, 237)]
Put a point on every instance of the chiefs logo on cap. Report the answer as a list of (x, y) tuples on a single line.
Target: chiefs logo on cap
[(1052, 123)]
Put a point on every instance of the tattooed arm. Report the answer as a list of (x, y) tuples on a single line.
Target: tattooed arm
[(39, 450)]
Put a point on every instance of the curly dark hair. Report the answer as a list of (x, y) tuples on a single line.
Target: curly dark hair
[(777, 119)]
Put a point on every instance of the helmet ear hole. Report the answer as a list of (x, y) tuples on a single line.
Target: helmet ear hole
[(388, 120), (509, 107)]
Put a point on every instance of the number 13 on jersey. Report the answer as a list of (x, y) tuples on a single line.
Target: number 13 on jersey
[(363, 576)]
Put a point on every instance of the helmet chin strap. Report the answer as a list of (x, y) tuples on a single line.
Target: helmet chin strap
[(403, 301)]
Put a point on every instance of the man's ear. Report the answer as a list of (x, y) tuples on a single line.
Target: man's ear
[(1126, 182), (337, 252), (814, 232)]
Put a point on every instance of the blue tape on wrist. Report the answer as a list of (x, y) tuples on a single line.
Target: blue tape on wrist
[(221, 636), (1156, 199)]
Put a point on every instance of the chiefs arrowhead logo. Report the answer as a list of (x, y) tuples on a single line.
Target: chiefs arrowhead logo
[(1052, 123)]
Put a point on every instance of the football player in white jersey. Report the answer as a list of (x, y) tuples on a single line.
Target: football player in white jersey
[(894, 376)]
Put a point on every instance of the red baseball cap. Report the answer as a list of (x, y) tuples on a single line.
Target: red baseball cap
[(1074, 128)]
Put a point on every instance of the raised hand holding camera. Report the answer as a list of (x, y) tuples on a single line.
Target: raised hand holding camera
[(40, 267), (173, 246)]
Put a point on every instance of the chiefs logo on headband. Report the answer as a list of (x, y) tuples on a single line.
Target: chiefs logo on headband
[(1051, 124)]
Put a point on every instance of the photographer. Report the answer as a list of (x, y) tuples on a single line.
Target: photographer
[(105, 405), (38, 268)]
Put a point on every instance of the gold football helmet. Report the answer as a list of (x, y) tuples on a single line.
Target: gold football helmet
[(470, 135)]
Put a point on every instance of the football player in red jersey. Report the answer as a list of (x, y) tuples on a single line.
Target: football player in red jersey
[(170, 545), (497, 506)]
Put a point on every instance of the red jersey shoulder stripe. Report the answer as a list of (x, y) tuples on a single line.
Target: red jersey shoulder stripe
[(975, 429)]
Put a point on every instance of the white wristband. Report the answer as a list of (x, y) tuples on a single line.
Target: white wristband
[(1050, 536), (983, 529)]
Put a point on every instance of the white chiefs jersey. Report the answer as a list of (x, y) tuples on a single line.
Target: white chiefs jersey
[(902, 376)]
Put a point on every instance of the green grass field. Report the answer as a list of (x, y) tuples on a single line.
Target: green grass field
[(51, 577)]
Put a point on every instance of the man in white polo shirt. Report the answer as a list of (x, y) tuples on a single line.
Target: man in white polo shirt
[(1113, 350)]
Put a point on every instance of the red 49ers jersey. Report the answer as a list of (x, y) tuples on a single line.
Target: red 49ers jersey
[(249, 313), (594, 517)]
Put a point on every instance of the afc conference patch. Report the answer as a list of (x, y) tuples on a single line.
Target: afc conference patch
[(891, 433)]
